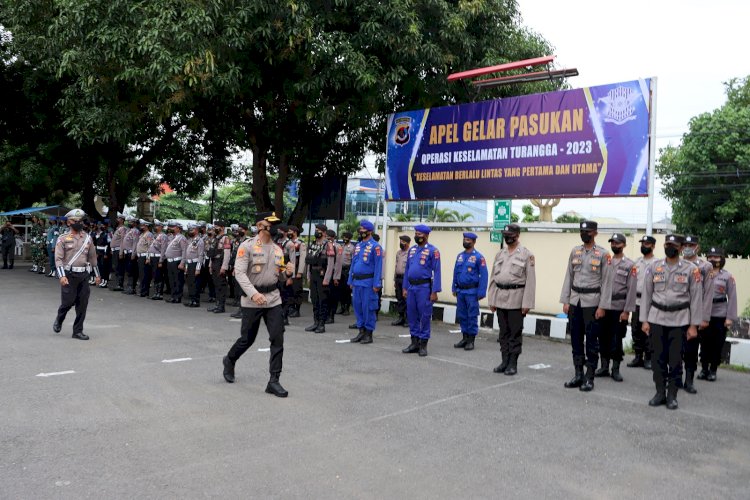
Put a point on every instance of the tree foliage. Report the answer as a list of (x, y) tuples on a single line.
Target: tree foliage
[(707, 177)]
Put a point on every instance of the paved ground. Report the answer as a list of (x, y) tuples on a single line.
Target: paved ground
[(360, 421)]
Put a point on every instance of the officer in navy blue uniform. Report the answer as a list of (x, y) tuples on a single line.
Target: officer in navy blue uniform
[(364, 280), (469, 287), (421, 286)]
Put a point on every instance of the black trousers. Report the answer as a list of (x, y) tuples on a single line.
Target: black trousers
[(146, 272), (297, 289), (345, 293), (9, 254), (287, 295), (132, 266), (190, 279), (75, 294), (205, 279), (400, 300), (333, 298), (712, 342), (176, 279), (104, 261), (641, 342), (584, 327), (511, 330), (690, 354), (611, 333), (119, 264), (220, 282), (319, 296), (159, 272), (666, 342), (274, 320)]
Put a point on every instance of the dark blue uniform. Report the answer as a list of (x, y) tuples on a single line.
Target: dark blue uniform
[(470, 286), (364, 274), (422, 277)]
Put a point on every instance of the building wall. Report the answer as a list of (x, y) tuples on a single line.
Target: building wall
[(551, 251)]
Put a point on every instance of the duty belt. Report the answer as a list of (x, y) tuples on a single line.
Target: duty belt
[(720, 300), (677, 307), (154, 255), (503, 286), (102, 248), (578, 289), (76, 269), (420, 281), (127, 251), (363, 276), (174, 259), (192, 261), (144, 254), (619, 296), (467, 287), (115, 248), (265, 288)]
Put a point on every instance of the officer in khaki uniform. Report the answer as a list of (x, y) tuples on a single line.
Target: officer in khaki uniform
[(75, 257), (258, 268), (512, 293), (118, 264), (192, 262), (720, 312), (672, 308), (398, 279), (345, 293), (583, 302), (620, 289), (641, 343), (300, 258), (690, 250), (144, 258)]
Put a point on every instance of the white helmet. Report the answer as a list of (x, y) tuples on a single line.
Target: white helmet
[(76, 214)]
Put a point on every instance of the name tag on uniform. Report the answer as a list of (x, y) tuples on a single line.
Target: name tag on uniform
[(659, 278), (576, 262), (681, 278), (596, 262)]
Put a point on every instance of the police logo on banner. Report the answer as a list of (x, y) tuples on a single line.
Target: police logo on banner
[(620, 105), (403, 127)]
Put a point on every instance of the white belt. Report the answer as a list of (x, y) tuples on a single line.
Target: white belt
[(115, 248), (192, 261), (76, 269), (144, 255), (127, 251), (154, 255), (102, 248), (174, 259)]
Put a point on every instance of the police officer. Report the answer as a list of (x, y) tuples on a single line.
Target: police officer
[(155, 250), (173, 258), (210, 245), (398, 279), (258, 268), (220, 265), (103, 253), (53, 232), (300, 259), (345, 293), (75, 256), (584, 304), (287, 286), (641, 343), (620, 288), (145, 271), (690, 250), (422, 276), (469, 287), (720, 312), (8, 243), (118, 264), (364, 280), (128, 252), (334, 285), (672, 308), (512, 294), (320, 261), (192, 261)]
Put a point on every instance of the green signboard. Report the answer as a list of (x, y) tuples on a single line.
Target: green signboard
[(496, 237), (501, 214)]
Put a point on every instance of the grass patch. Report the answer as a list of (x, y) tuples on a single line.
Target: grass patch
[(736, 368)]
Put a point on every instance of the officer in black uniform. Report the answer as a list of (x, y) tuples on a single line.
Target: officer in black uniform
[(320, 261)]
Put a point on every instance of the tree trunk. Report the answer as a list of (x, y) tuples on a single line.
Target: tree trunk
[(278, 200), (259, 191)]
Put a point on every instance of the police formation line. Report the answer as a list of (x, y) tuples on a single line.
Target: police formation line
[(680, 305)]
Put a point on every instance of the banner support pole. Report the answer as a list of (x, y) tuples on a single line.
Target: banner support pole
[(651, 159)]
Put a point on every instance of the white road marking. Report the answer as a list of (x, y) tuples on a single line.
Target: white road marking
[(52, 374), (102, 326), (264, 349), (176, 360), (235, 320), (540, 366), (405, 336), (345, 341), (454, 331)]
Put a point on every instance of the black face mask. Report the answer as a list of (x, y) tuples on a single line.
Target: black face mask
[(346, 241), (318, 235), (241, 233), (646, 250), (143, 229), (586, 237), (715, 263), (77, 226), (131, 226), (403, 246), (671, 252), (274, 231), (419, 239), (509, 240), (362, 235), (467, 245), (617, 250)]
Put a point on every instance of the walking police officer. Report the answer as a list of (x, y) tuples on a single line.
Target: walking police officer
[(512, 295), (258, 268), (641, 343), (398, 279), (422, 276), (364, 280), (583, 302), (672, 309), (720, 312), (469, 287), (320, 261), (75, 257)]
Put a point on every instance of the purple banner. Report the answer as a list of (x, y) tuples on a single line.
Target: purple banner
[(575, 143)]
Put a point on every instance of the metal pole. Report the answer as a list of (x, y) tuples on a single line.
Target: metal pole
[(651, 159), (213, 196)]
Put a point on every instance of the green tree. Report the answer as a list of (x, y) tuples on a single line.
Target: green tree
[(514, 217), (350, 223), (707, 177), (568, 219), (175, 206), (528, 214)]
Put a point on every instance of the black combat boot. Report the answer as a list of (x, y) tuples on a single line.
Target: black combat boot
[(367, 338), (120, 282), (502, 366), (512, 368), (588, 380), (57, 326), (294, 311), (329, 320), (275, 388), (604, 370), (340, 309), (158, 289), (400, 321), (321, 328), (359, 336), (616, 371), (423, 347), (413, 347), (469, 342), (712, 373), (284, 315), (577, 379), (703, 375), (660, 398), (238, 314), (637, 361), (672, 395), (461, 343), (228, 369), (80, 336), (689, 387), (353, 326), (312, 327), (219, 308)]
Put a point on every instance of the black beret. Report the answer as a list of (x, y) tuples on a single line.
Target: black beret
[(405, 237), (331, 233)]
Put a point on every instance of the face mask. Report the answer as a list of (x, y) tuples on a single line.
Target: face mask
[(616, 250), (646, 250), (467, 245), (290, 236), (131, 226), (318, 235), (403, 246), (241, 233), (274, 231), (688, 252), (347, 240), (419, 239), (509, 240), (586, 237), (715, 263), (77, 226), (671, 252), (143, 229), (362, 235)]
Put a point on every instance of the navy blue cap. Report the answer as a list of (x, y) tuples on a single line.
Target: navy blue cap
[(471, 236), (421, 228), (366, 224)]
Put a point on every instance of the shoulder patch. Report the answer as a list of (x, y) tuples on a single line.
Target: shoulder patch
[(483, 262), (437, 254), (241, 252), (634, 271), (532, 261), (697, 275), (377, 251), (609, 259)]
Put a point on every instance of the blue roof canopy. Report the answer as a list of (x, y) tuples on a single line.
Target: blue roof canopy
[(27, 210)]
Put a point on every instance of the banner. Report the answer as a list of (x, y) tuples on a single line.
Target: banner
[(574, 143)]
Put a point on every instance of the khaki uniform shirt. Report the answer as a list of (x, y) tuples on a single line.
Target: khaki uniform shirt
[(586, 269), (348, 251), (117, 237), (159, 245), (225, 251), (175, 248), (338, 260), (193, 253), (300, 253), (259, 264), (144, 243), (621, 284), (720, 285), (516, 268), (671, 285), (401, 256), (71, 244), (640, 266)]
